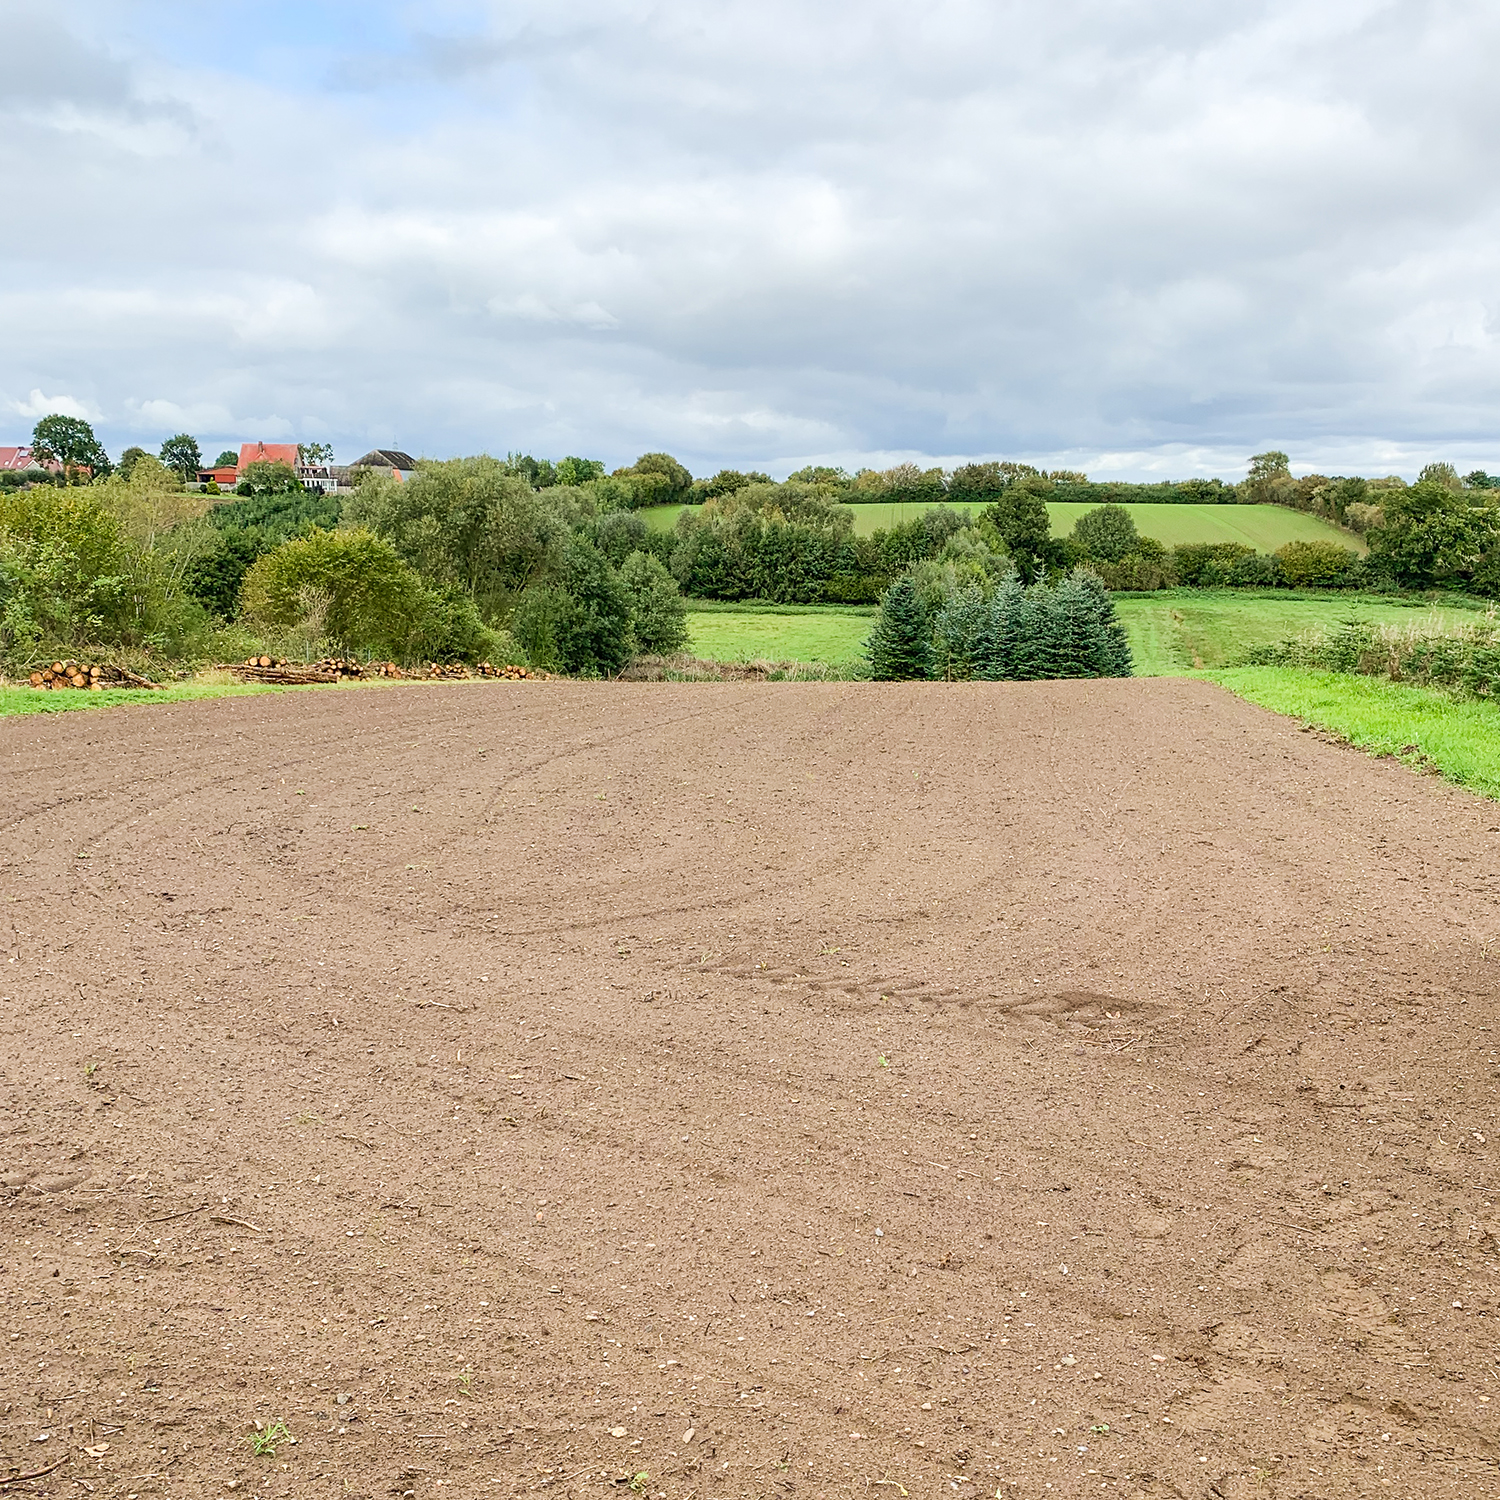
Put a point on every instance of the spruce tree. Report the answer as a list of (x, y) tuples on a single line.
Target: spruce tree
[(1002, 638), (1111, 646), (960, 634), (1034, 657), (900, 646), (1076, 632)]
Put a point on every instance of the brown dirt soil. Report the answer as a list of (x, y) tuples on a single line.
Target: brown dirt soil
[(1050, 1089)]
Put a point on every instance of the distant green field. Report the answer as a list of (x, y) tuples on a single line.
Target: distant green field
[(1182, 630), (1424, 728), (1264, 527)]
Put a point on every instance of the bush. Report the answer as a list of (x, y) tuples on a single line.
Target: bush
[(469, 524), (655, 479), (267, 478), (1136, 574), (65, 563), (447, 627), (368, 598), (582, 623), (1315, 564), (1467, 662), (658, 617), (1207, 564), (1106, 533)]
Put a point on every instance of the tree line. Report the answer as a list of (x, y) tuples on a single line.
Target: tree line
[(557, 562)]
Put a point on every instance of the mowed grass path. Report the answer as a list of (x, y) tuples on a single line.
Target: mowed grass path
[(1264, 527)]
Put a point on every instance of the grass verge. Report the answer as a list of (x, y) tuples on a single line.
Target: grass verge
[(30, 700), (1424, 728)]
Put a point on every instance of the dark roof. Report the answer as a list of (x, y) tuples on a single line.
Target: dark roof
[(385, 458)]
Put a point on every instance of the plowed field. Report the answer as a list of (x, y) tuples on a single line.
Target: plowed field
[(1045, 1089)]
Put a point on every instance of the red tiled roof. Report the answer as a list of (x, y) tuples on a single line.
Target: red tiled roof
[(15, 458), (270, 453)]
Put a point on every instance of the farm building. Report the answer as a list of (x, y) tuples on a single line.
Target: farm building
[(391, 461), (268, 453)]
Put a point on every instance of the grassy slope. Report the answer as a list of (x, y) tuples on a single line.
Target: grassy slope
[(1424, 728), (1264, 527), (1185, 629)]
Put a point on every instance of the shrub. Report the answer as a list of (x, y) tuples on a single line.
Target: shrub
[(1136, 574), (1315, 564), (470, 524), (1207, 564), (658, 616), (373, 600), (655, 479), (1106, 533), (1258, 570), (582, 623), (65, 562), (267, 478), (446, 627)]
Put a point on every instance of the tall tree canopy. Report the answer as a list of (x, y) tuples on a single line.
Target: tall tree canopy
[(69, 441)]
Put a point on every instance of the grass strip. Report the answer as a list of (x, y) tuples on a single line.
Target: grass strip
[(30, 700), (1424, 728)]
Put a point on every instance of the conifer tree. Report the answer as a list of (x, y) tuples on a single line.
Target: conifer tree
[(1111, 646), (1076, 633), (900, 646), (1003, 637), (961, 635)]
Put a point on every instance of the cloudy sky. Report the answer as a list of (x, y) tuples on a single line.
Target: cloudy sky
[(1132, 236)]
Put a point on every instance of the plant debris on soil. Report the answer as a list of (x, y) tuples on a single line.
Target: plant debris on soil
[(279, 671), (1019, 1089)]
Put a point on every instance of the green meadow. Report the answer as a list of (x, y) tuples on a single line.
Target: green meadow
[(1187, 630), (810, 633)]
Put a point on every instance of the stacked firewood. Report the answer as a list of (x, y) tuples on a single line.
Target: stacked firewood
[(510, 673), (86, 677), (281, 673)]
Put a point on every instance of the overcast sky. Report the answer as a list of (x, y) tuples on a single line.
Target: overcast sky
[(1138, 237)]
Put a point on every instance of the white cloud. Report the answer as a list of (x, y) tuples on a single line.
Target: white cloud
[(36, 405), (1139, 239)]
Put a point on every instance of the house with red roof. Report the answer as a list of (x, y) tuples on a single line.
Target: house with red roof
[(14, 460), (268, 453)]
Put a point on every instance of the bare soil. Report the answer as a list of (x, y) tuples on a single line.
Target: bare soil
[(825, 1090)]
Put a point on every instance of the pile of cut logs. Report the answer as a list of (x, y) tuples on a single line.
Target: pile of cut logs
[(86, 677), (512, 673)]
